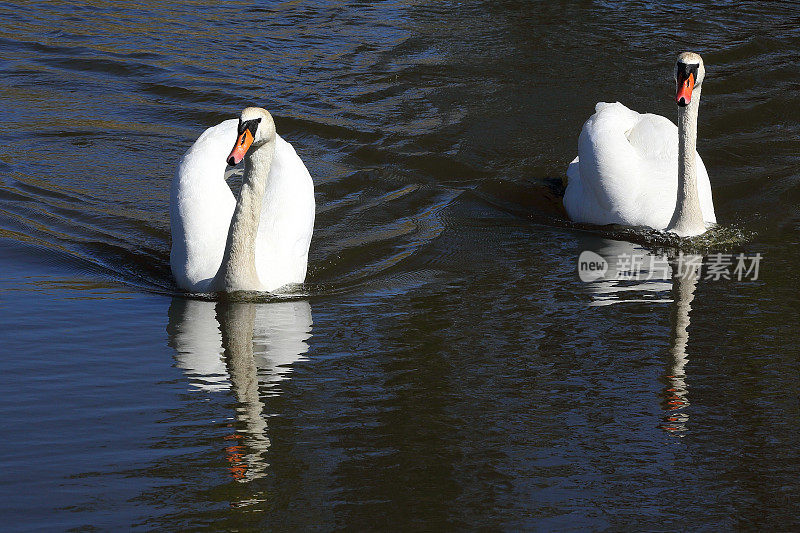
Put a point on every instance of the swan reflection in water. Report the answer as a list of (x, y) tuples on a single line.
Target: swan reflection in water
[(244, 347), (656, 275), (676, 395)]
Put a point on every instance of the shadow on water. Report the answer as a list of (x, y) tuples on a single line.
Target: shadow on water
[(246, 348)]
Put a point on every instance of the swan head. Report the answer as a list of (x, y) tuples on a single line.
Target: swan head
[(689, 74), (256, 128)]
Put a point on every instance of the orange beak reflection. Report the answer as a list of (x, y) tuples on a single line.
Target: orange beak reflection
[(685, 87), (240, 148)]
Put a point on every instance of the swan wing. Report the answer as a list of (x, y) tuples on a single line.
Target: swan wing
[(602, 181), (704, 193), (655, 138), (201, 207), (287, 220)]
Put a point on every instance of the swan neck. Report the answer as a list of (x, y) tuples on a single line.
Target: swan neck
[(238, 269), (688, 218)]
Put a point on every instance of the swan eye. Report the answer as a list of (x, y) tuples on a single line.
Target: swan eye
[(684, 70), (251, 125)]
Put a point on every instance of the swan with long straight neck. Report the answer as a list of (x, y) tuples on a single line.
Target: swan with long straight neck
[(638, 169), (258, 241), (256, 145), (689, 74)]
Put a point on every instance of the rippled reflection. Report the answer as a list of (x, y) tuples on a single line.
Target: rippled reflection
[(655, 276), (676, 395), (649, 285), (243, 347)]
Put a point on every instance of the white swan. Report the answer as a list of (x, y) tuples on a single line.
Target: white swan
[(641, 170), (258, 243)]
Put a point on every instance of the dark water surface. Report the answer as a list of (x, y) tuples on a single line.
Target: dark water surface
[(444, 367)]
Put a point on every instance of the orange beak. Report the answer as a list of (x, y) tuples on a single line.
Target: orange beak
[(685, 87), (240, 148)]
